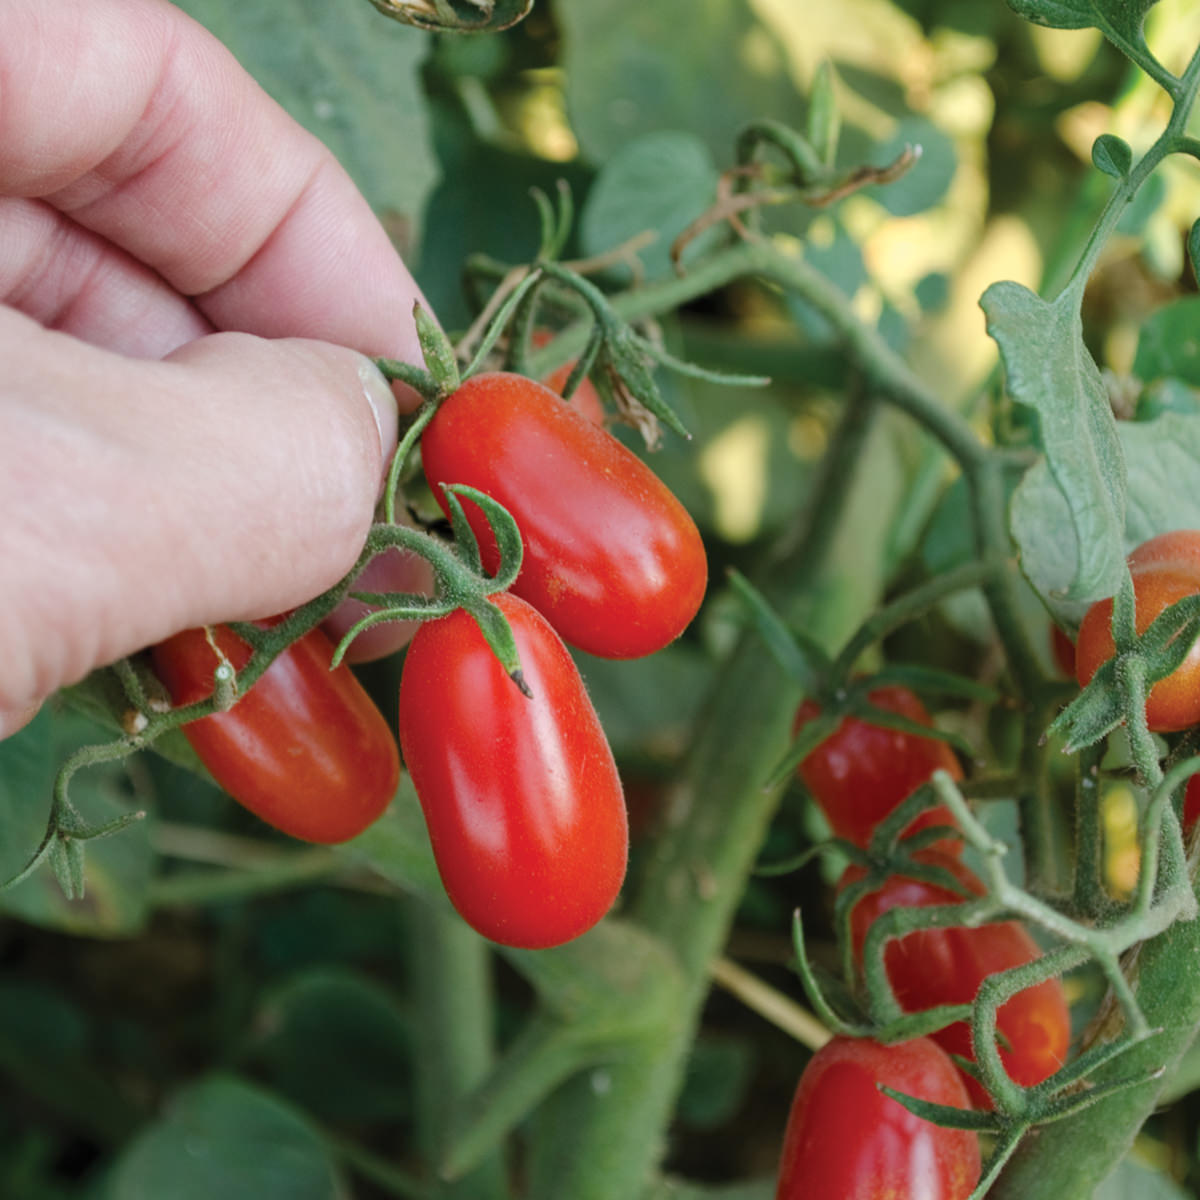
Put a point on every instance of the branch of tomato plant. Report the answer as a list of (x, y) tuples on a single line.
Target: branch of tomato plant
[(451, 990), (1090, 896), (1172, 140), (601, 1139), (884, 371)]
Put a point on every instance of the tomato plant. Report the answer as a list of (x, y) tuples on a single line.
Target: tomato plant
[(305, 748), (915, 491), (1164, 569), (612, 559), (521, 795), (862, 771), (929, 967), (846, 1139)]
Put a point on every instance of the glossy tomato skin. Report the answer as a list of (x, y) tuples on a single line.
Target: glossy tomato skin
[(846, 1140), (1164, 569), (305, 749), (521, 796), (861, 772), (946, 966), (612, 559)]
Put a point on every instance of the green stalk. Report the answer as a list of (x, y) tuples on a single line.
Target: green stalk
[(452, 991), (600, 1137), (1072, 1158)]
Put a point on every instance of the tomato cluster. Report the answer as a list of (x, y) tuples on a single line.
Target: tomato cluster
[(858, 776), (521, 796), (520, 791), (929, 967)]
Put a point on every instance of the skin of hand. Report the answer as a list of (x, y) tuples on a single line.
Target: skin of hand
[(189, 283)]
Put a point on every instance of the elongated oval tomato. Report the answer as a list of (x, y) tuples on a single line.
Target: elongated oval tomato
[(1164, 569), (612, 559), (946, 966), (863, 771), (305, 749), (846, 1140), (521, 796)]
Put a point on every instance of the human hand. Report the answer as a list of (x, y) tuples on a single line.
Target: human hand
[(162, 464)]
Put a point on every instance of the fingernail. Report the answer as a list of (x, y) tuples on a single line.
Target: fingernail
[(383, 406)]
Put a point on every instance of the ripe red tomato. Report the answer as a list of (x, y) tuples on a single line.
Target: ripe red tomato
[(946, 966), (521, 796), (862, 771), (305, 749), (846, 1140), (585, 400), (1164, 570), (612, 559)]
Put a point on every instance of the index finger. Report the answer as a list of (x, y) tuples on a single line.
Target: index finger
[(135, 122)]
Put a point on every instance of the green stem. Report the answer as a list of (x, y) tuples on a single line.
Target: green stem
[(451, 981), (600, 1140), (1091, 897), (1183, 90)]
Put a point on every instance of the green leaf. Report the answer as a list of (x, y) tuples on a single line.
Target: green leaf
[(117, 868), (634, 67), (336, 1042), (1112, 155), (824, 121), (1163, 461), (1126, 17), (1058, 14), (645, 704), (658, 182), (349, 78), (1169, 343), (222, 1137), (1050, 370), (719, 1074), (799, 657), (48, 1049), (1194, 250), (27, 765), (456, 16), (1123, 17), (925, 183)]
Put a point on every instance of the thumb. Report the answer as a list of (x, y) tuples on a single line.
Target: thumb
[(234, 479)]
